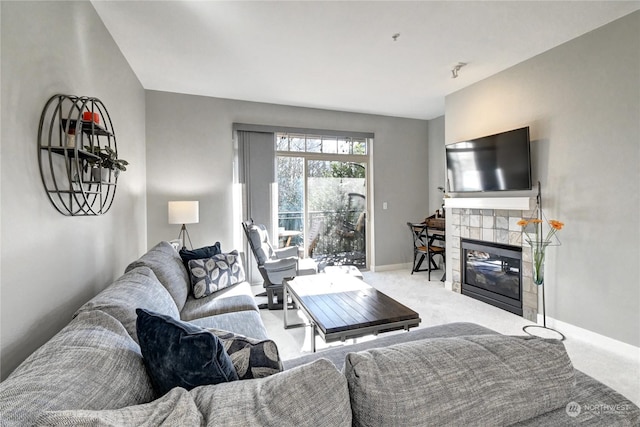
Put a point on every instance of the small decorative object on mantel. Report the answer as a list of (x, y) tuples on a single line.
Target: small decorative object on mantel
[(75, 136), (539, 241), (444, 196)]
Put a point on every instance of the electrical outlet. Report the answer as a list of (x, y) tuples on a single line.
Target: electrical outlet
[(385, 205)]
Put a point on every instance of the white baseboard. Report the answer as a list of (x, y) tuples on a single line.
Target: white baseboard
[(572, 331), (390, 267)]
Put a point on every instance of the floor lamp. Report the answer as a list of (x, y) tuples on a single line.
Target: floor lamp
[(184, 212)]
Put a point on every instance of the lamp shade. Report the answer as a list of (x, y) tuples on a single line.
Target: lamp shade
[(184, 212)]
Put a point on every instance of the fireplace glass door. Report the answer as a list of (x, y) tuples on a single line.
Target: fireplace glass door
[(492, 273)]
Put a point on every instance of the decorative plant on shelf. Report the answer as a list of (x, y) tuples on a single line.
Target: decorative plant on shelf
[(539, 242), (106, 159)]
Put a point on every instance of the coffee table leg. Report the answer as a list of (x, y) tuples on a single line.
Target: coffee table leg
[(285, 295), (312, 329)]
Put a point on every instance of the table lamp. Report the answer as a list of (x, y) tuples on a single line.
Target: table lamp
[(184, 212)]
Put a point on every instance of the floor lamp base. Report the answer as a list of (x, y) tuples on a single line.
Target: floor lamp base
[(561, 337), (184, 235)]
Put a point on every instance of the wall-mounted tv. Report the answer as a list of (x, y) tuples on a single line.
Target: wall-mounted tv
[(492, 163)]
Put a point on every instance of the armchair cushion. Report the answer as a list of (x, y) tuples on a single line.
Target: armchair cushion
[(279, 269), (281, 264), (260, 242), (289, 251)]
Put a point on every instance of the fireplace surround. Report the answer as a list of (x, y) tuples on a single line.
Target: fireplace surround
[(492, 226)]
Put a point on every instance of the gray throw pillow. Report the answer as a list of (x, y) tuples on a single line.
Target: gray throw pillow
[(212, 274), (251, 358)]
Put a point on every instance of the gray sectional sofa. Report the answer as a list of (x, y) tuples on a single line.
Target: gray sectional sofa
[(92, 371)]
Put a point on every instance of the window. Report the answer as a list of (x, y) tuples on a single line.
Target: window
[(322, 196), (294, 142)]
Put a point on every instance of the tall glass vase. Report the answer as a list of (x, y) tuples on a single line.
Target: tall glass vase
[(538, 250)]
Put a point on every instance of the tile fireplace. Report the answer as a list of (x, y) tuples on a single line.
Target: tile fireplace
[(492, 226)]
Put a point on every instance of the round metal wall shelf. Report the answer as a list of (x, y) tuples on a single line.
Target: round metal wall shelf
[(72, 130)]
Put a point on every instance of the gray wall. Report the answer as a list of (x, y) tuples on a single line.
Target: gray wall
[(190, 156), (51, 264), (582, 101), (436, 163)]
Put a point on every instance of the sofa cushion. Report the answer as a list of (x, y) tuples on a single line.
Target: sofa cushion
[(92, 363), (200, 253), (311, 395), (250, 357), (213, 274), (234, 298), (136, 288), (594, 404), (247, 323), (178, 354), (167, 265), (473, 380), (338, 354), (176, 408)]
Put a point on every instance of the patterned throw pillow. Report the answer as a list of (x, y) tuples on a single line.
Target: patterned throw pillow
[(251, 358), (210, 275)]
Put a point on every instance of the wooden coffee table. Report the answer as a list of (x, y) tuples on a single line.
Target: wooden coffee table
[(340, 307)]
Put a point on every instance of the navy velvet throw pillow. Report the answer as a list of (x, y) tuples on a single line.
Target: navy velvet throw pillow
[(179, 354), (200, 253)]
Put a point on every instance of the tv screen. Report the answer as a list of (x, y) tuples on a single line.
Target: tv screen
[(492, 163)]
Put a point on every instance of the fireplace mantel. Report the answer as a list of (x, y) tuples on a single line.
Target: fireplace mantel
[(509, 203)]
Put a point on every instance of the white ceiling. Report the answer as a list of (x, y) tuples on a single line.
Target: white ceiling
[(340, 55)]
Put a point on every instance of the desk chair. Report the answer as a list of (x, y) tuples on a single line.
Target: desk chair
[(424, 248)]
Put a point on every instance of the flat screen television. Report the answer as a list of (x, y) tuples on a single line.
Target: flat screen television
[(492, 163)]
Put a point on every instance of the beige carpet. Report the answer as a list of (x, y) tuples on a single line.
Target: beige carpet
[(437, 305)]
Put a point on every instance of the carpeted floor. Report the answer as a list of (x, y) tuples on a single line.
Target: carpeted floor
[(437, 305)]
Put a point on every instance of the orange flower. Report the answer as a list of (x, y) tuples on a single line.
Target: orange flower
[(536, 237), (556, 225)]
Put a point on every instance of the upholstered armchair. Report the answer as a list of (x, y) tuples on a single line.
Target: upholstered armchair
[(275, 264)]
